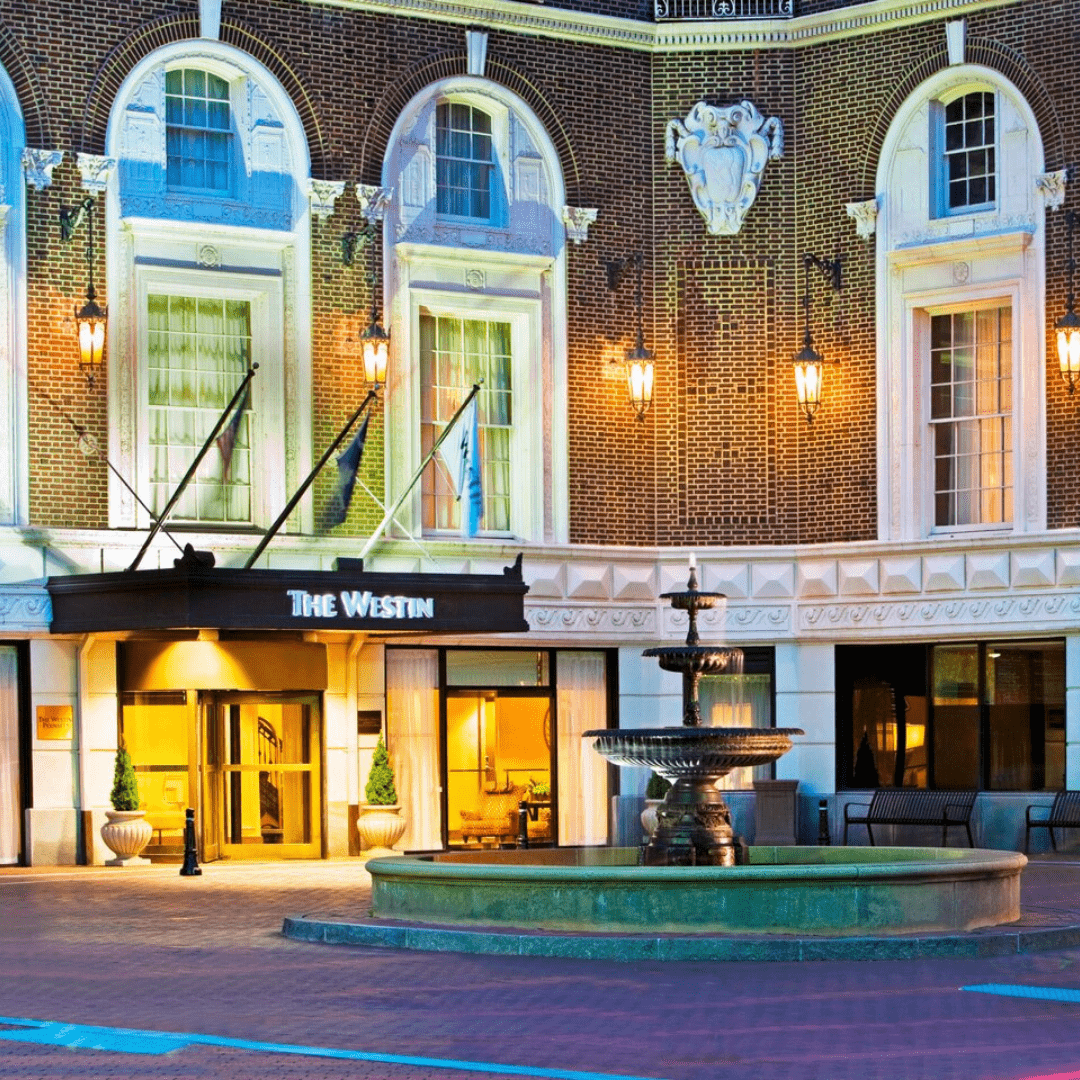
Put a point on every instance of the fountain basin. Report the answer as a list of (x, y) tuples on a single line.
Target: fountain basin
[(783, 890)]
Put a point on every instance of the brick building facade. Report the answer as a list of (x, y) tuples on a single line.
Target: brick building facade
[(257, 174)]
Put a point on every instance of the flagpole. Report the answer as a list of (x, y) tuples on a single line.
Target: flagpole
[(194, 465), (374, 538), (290, 505)]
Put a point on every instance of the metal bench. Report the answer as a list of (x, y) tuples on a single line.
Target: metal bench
[(1064, 814), (907, 806)]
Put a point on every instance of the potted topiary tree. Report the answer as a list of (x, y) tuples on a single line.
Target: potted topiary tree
[(127, 831), (380, 823), (655, 791)]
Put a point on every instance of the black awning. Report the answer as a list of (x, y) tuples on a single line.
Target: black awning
[(236, 599)]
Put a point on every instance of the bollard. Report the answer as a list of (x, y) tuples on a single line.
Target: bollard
[(191, 857), (823, 823), (523, 825)]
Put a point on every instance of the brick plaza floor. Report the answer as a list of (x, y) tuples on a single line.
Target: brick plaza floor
[(148, 949)]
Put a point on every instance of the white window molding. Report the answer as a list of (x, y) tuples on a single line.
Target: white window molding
[(255, 242), (926, 263), (14, 422), (513, 269)]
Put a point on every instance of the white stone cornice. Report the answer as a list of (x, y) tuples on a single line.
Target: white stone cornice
[(95, 171), (374, 201), (865, 216), (667, 37), (323, 195), (577, 220), (38, 166), (1051, 186)]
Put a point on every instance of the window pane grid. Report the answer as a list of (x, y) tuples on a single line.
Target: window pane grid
[(454, 354), (198, 353), (969, 151), (463, 163), (197, 130), (970, 414)]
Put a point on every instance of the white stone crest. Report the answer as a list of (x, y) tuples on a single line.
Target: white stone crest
[(577, 220), (38, 166), (323, 195), (94, 170), (723, 153), (374, 201), (864, 215), (1051, 186)]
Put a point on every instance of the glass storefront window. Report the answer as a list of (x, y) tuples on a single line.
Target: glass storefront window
[(154, 727), (973, 715), (474, 667)]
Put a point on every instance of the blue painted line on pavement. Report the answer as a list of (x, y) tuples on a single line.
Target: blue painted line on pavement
[(1042, 993), (138, 1041)]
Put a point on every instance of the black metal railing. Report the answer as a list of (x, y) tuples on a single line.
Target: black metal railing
[(670, 10)]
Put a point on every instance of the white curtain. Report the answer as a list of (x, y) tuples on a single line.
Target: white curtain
[(737, 701), (583, 795), (412, 728), (10, 801)]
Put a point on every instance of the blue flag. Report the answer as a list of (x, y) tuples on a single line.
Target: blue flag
[(461, 452), (348, 465), (226, 441)]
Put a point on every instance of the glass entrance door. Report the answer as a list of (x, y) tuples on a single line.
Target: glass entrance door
[(261, 777)]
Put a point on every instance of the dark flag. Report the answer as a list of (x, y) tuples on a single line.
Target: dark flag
[(348, 464), (226, 441)]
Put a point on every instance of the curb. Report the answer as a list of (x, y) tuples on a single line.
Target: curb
[(630, 947)]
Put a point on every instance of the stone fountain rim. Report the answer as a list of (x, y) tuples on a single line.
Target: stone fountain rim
[(677, 732)]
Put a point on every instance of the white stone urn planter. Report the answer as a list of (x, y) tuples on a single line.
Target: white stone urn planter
[(648, 816), (380, 828), (126, 833)]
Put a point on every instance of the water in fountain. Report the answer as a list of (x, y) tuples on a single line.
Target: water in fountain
[(694, 822)]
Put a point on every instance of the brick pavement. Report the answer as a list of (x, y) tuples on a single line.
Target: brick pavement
[(148, 949)]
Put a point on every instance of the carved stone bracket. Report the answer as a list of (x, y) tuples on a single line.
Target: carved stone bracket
[(95, 170), (577, 220), (1051, 186), (323, 195), (38, 166), (476, 42), (374, 201), (723, 153), (865, 216)]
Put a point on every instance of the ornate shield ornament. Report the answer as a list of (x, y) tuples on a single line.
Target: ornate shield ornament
[(723, 153)]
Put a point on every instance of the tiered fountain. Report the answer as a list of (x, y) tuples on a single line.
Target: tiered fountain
[(693, 822)]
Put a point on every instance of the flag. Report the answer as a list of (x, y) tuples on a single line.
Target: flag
[(461, 452), (226, 441), (348, 465)]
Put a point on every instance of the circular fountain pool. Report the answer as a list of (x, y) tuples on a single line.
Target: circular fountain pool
[(782, 890)]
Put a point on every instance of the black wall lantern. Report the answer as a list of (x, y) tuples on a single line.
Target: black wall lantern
[(91, 320), (808, 364), (1068, 326), (640, 370), (375, 341)]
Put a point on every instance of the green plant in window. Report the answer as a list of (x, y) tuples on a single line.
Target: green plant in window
[(380, 790), (539, 789), (657, 787), (125, 789)]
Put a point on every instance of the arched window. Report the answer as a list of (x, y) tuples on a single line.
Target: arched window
[(13, 419), (960, 264), (209, 270), (474, 247)]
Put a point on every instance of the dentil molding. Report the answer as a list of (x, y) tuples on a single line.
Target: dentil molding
[(723, 152)]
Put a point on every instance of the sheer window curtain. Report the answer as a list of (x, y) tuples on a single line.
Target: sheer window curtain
[(412, 727), (10, 801), (583, 794), (737, 701)]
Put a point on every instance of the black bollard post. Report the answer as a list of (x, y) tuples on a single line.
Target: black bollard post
[(523, 825), (191, 857), (823, 823)]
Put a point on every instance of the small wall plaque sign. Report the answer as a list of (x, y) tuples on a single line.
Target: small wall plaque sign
[(54, 722)]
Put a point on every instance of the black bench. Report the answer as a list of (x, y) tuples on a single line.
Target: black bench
[(1064, 814), (914, 806)]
